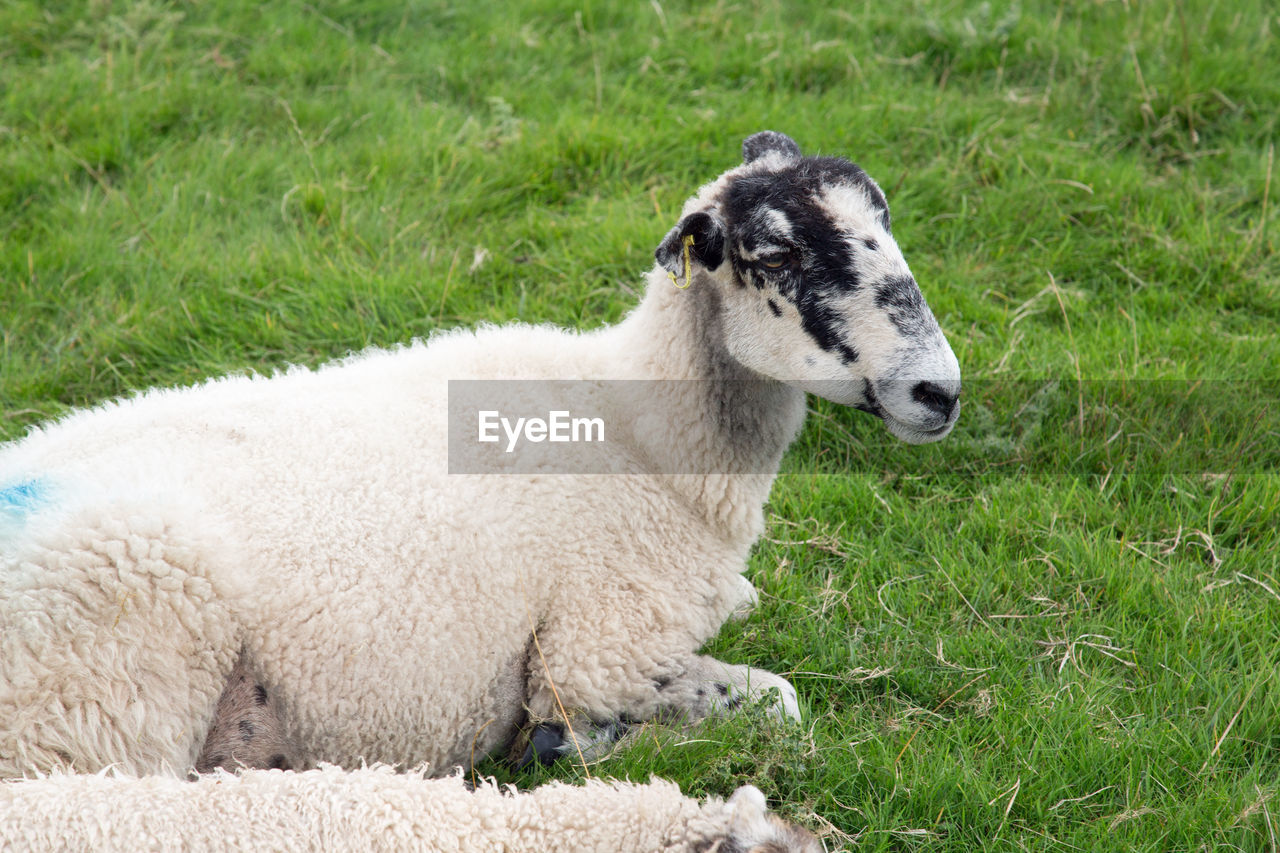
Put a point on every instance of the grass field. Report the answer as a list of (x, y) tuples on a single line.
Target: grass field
[(1057, 630)]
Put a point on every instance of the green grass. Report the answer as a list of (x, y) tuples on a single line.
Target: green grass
[(1057, 630)]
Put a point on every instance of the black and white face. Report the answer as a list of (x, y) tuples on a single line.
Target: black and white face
[(814, 291)]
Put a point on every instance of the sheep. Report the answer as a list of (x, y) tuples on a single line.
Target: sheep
[(376, 809), (307, 523)]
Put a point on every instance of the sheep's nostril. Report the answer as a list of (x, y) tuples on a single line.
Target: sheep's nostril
[(934, 397)]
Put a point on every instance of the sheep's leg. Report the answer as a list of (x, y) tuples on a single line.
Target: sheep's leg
[(635, 660), (708, 687), (248, 729), (748, 598), (703, 687), (689, 688)]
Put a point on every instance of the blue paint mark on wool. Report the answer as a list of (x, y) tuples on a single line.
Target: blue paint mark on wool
[(21, 499), (16, 503), (23, 496)]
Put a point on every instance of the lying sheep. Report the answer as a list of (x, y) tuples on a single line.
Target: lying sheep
[(376, 809), (308, 524)]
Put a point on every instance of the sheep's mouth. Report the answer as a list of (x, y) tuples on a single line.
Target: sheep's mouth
[(922, 435), (904, 430), (913, 434)]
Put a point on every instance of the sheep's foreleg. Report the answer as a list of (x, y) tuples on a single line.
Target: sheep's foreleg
[(693, 689), (709, 687)]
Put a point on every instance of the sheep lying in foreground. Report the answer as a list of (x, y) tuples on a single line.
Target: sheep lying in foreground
[(376, 809), (307, 524)]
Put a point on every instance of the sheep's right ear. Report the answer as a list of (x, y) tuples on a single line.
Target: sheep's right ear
[(707, 247)]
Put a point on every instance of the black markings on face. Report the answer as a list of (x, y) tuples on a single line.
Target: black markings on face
[(900, 297), (871, 245), (773, 306), (783, 209), (824, 325), (278, 762), (247, 731), (259, 695)]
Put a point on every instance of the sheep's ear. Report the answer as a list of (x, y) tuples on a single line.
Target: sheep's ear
[(707, 247), (769, 142)]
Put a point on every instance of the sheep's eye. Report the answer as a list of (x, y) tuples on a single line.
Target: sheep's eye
[(775, 262)]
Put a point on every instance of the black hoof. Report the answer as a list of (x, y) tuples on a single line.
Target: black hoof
[(546, 744)]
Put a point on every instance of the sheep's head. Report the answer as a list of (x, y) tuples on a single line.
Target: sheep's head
[(812, 288)]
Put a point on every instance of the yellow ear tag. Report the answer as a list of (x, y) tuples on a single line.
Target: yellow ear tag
[(688, 241)]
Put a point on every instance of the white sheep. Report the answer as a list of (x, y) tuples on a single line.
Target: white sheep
[(399, 613), (374, 809)]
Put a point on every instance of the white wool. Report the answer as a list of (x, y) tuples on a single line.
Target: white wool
[(310, 518), (375, 809)]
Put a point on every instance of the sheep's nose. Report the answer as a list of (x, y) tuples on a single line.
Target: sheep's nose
[(936, 398)]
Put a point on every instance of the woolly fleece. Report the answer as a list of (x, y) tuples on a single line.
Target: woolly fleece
[(309, 517), (375, 809)]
